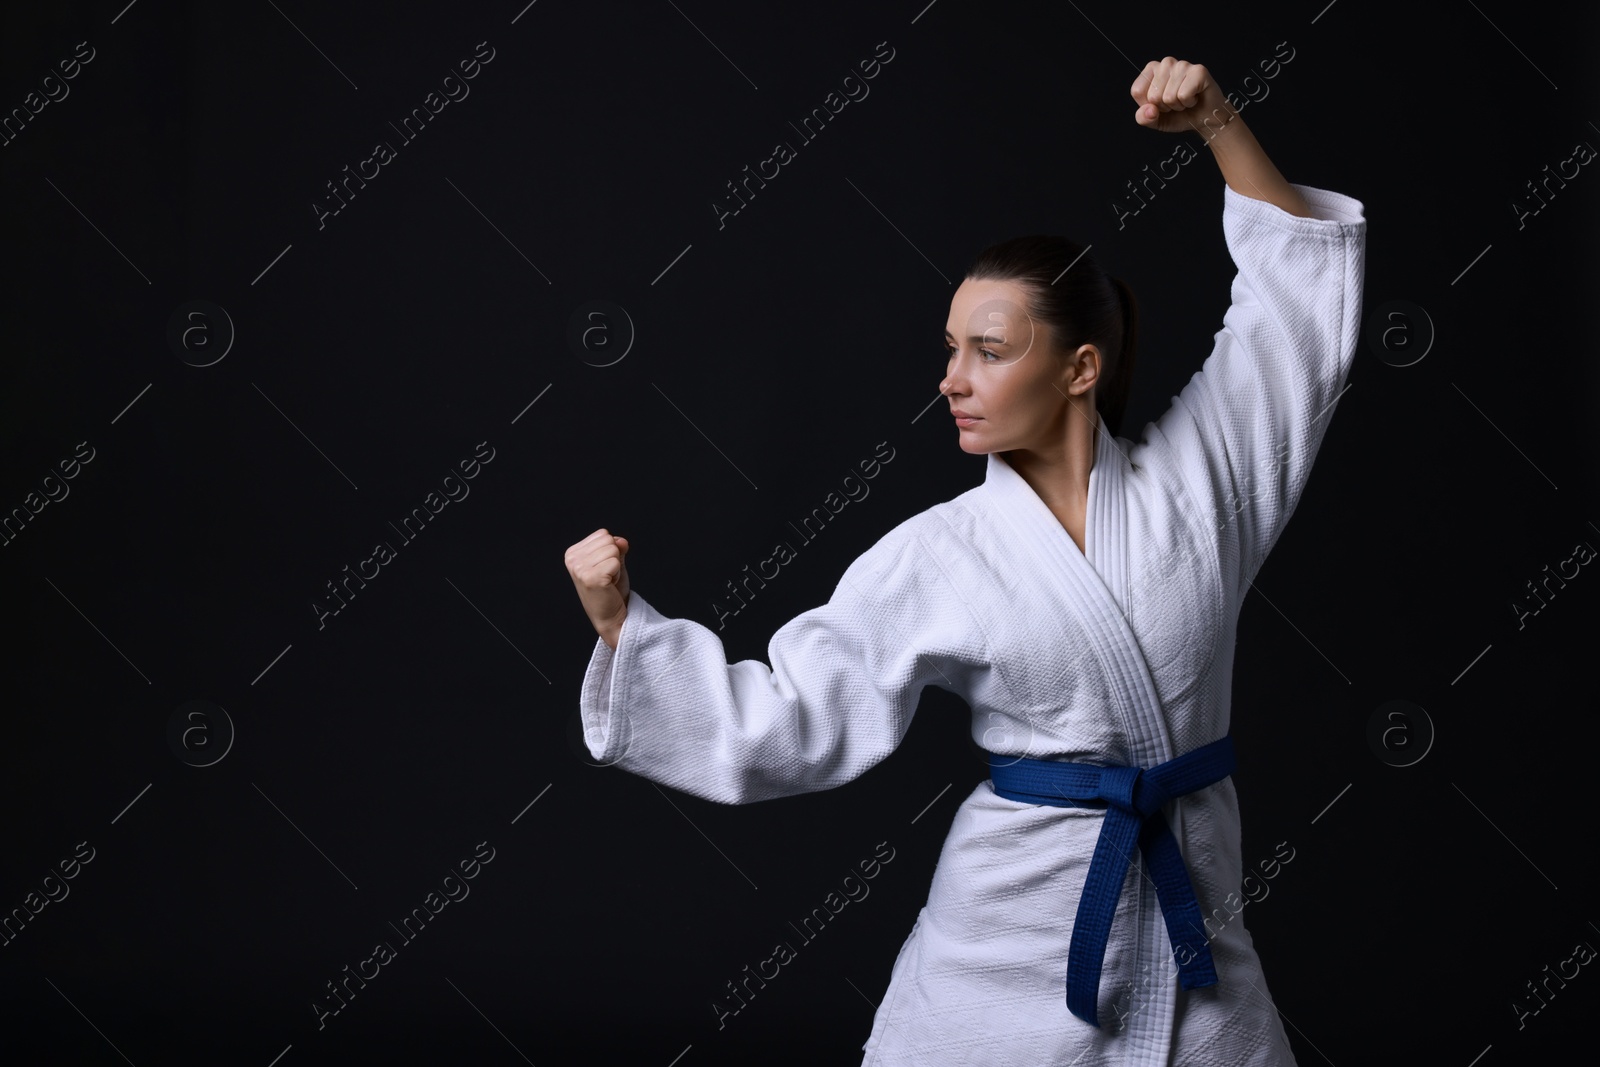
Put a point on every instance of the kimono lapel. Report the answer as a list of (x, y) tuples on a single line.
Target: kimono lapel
[(1096, 586)]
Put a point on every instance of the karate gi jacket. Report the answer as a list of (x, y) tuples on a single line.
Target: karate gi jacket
[(1118, 654)]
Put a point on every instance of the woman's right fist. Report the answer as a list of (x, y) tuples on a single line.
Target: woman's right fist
[(1175, 95), (601, 578)]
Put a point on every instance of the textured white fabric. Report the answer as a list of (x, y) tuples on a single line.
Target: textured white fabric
[(1121, 654)]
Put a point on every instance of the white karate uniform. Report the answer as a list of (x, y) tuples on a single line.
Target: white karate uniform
[(1120, 654)]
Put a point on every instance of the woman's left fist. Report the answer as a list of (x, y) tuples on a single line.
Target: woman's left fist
[(1175, 95)]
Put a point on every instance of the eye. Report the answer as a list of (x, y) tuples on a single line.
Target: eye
[(950, 353)]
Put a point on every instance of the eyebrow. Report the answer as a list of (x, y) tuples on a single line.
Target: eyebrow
[(978, 338)]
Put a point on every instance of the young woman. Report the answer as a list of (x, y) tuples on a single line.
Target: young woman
[(1083, 600)]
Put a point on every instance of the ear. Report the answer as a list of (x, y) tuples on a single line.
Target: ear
[(1082, 370)]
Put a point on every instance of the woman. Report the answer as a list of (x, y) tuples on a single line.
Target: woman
[(1083, 600)]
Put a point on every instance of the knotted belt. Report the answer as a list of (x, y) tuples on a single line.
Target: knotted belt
[(1133, 798)]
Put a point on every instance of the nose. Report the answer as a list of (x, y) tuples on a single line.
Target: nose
[(954, 380)]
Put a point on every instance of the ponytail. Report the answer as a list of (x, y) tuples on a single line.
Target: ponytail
[(1112, 398)]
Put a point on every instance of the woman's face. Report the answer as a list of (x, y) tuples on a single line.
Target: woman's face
[(1005, 371)]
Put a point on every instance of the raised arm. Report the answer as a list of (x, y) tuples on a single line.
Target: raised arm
[(1240, 439), (1175, 95)]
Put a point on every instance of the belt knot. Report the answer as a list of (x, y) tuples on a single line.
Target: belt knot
[(1133, 797)]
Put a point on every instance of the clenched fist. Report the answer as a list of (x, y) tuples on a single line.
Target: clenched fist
[(597, 570), (1175, 95)]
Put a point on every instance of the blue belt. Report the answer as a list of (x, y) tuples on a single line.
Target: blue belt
[(1133, 798)]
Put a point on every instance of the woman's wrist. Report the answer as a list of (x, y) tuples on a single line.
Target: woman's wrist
[(1219, 118)]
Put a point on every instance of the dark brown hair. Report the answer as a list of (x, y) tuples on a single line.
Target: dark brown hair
[(1081, 305)]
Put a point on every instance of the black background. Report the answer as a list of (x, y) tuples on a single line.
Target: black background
[(771, 354)]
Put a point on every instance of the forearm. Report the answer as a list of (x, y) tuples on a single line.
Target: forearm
[(1246, 168)]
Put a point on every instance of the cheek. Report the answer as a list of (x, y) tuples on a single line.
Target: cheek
[(1017, 393), (1000, 392)]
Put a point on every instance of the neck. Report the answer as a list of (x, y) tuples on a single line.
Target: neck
[(1058, 469), (1061, 464)]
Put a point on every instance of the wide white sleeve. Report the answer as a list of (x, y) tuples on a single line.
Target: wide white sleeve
[(1242, 435), (843, 684)]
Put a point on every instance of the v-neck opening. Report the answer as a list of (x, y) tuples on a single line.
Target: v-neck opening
[(1104, 520), (1090, 511), (1093, 584)]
